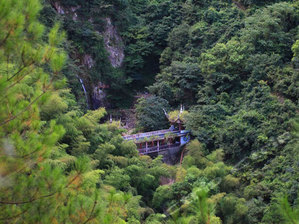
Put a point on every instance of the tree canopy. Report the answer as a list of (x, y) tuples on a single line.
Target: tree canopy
[(232, 64)]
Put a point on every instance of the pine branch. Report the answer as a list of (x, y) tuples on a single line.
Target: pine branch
[(38, 198), (23, 156), (21, 69), (13, 84), (92, 211), (30, 104), (26, 202), (15, 216), (24, 110), (6, 37)]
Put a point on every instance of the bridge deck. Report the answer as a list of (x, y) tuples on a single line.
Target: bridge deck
[(157, 135), (174, 139)]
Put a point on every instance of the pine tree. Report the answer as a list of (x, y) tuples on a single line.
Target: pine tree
[(290, 214), (32, 189)]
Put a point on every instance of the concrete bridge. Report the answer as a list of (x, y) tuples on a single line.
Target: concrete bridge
[(159, 141)]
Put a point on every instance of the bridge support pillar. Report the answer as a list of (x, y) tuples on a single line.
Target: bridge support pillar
[(158, 145)]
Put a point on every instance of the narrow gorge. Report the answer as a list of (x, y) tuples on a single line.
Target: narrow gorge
[(149, 111)]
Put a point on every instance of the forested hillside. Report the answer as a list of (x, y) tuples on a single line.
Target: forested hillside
[(68, 65)]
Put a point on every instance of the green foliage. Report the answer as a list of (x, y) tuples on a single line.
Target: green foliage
[(233, 64), (162, 195), (290, 215), (233, 209), (150, 115), (200, 208), (33, 176), (173, 115)]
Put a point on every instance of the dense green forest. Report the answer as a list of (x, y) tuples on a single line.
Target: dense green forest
[(66, 65)]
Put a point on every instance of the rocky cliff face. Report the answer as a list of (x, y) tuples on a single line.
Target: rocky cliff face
[(114, 46)]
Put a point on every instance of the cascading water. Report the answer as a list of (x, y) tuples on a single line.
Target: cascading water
[(113, 43), (85, 92)]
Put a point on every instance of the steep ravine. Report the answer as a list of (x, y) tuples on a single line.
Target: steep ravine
[(95, 93)]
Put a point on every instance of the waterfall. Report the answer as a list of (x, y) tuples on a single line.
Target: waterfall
[(85, 92)]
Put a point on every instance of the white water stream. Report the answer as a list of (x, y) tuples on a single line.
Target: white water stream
[(85, 92)]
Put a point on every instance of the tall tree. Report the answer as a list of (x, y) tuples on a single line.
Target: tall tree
[(32, 189)]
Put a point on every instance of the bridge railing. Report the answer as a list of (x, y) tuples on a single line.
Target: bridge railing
[(149, 150), (149, 134), (146, 134)]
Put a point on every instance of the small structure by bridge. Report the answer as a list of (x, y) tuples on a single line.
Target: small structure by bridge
[(157, 141), (170, 140)]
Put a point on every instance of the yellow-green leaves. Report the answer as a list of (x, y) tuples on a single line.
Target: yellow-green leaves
[(57, 61), (295, 49), (55, 36), (32, 9), (36, 29)]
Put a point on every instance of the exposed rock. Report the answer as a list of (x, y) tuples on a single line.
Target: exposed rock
[(88, 61), (74, 9), (128, 118), (170, 157), (59, 8), (166, 180), (63, 11), (113, 44), (99, 95)]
